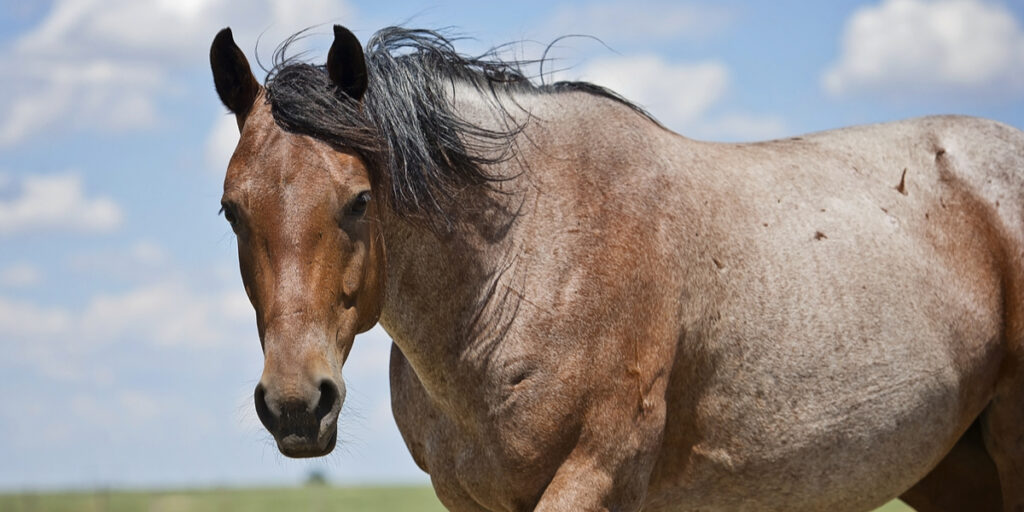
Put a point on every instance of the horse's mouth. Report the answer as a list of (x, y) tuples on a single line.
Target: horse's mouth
[(299, 429), (300, 447)]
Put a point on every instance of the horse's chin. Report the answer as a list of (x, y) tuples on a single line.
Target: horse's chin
[(298, 447)]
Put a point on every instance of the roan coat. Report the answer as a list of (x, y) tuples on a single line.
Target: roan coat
[(621, 318)]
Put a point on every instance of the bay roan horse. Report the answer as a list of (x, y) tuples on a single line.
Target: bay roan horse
[(591, 312)]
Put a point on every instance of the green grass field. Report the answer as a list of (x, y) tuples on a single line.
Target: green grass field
[(313, 499)]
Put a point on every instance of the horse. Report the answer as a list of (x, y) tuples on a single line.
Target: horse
[(591, 312)]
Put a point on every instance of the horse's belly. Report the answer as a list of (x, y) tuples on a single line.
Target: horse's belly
[(819, 441), (824, 471)]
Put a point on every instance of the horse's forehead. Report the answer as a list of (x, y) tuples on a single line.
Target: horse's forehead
[(266, 154)]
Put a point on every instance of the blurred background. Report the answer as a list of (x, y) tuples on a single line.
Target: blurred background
[(128, 350)]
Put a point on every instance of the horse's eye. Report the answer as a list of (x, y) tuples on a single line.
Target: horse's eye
[(358, 206), (229, 213)]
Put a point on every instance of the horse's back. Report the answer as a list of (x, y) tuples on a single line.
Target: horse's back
[(981, 156), (850, 314)]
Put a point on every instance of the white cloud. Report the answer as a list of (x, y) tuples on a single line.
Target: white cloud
[(139, 261), (129, 407), (20, 275), (220, 143), (677, 93), (683, 96), (169, 312), (904, 48), (98, 93), (57, 202), (160, 314), (141, 30), (147, 253), (744, 127), (139, 406), (105, 64), (26, 320), (167, 315), (640, 20), (164, 314)]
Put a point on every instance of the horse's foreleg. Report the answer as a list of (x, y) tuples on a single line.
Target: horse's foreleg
[(610, 472), (965, 479), (584, 483), (579, 485), (1003, 422)]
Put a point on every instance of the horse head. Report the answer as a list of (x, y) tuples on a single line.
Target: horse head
[(309, 247)]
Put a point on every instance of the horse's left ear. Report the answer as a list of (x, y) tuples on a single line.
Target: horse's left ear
[(236, 85), (346, 65)]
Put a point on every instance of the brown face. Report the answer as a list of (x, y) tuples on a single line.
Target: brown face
[(308, 248)]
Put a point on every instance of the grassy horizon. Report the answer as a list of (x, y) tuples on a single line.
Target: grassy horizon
[(314, 498), (319, 498)]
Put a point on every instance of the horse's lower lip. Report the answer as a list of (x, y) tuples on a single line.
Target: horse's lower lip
[(299, 448)]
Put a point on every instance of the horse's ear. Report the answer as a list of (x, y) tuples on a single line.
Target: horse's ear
[(346, 65), (236, 85)]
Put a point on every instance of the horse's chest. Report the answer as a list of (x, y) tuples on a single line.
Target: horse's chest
[(499, 460)]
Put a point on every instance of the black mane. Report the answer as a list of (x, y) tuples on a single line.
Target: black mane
[(418, 149)]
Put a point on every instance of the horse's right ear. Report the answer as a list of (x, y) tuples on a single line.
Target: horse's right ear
[(345, 63), (236, 85)]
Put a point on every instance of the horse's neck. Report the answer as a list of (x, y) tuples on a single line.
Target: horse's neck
[(449, 298), (439, 286), (434, 291)]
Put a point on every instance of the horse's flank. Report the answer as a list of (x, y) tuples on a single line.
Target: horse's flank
[(614, 317)]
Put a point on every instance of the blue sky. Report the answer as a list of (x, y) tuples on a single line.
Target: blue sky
[(129, 349)]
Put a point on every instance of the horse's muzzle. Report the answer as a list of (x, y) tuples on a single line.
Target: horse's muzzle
[(302, 426)]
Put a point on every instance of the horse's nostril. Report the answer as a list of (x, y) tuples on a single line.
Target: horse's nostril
[(262, 410), (328, 397)]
